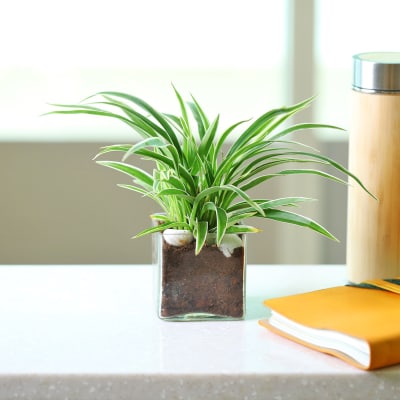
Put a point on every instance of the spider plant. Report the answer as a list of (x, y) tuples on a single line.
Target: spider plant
[(197, 186)]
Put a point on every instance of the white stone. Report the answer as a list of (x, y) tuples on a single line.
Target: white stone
[(178, 237), (229, 243)]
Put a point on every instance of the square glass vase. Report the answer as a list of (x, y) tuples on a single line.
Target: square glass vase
[(207, 286)]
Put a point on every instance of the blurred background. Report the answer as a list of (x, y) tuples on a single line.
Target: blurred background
[(239, 59)]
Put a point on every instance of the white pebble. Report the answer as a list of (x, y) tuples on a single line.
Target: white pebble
[(177, 237)]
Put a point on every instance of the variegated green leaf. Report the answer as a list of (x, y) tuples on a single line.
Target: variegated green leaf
[(136, 173), (201, 232)]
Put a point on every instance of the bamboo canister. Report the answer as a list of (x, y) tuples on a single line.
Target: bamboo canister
[(373, 228)]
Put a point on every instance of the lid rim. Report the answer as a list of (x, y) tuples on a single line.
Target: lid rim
[(377, 72)]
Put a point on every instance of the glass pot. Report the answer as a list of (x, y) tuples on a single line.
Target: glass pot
[(210, 285)]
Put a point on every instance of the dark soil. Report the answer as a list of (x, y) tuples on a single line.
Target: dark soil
[(207, 283)]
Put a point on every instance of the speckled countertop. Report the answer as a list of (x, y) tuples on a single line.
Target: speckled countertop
[(91, 332)]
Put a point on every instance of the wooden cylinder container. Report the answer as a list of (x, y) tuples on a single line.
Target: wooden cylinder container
[(373, 230)]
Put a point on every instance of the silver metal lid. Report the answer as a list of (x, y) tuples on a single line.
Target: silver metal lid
[(376, 72)]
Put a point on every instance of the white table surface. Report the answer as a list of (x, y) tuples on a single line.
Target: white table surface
[(91, 332)]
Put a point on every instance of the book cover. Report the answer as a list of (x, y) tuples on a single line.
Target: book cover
[(359, 325)]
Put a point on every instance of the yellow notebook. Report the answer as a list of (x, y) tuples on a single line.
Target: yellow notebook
[(359, 325)]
